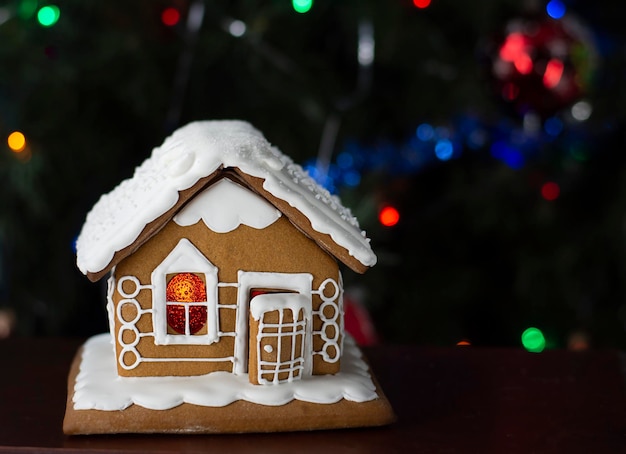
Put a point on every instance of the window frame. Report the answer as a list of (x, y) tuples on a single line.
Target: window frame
[(184, 258)]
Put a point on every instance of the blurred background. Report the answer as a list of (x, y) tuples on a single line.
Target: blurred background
[(480, 144)]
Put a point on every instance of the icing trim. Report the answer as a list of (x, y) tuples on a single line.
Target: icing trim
[(226, 205), (98, 386), (185, 257), (289, 359), (191, 153), (297, 282)]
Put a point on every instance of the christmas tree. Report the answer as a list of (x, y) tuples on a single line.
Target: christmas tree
[(479, 143)]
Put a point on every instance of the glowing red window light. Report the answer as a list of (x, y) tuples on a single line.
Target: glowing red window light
[(389, 216), (170, 16), (550, 191), (186, 288), (553, 73)]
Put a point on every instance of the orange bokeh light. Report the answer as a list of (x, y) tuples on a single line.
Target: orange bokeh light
[(16, 141)]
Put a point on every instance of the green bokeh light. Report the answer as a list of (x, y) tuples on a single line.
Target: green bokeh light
[(48, 15), (533, 340), (302, 6), (26, 8)]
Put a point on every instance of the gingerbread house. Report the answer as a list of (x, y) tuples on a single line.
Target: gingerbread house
[(223, 262)]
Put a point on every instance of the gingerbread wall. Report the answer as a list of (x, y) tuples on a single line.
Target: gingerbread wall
[(279, 248)]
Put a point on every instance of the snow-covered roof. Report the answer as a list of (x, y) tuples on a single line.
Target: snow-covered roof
[(196, 151)]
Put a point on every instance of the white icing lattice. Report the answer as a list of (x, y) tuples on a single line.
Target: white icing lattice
[(286, 335), (331, 351)]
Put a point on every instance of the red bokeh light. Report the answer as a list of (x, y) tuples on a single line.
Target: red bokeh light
[(170, 16), (389, 216), (550, 191), (421, 3)]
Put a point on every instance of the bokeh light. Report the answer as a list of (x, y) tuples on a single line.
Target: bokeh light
[(48, 15), (555, 9), (170, 16), (302, 6), (421, 3), (389, 216), (550, 191), (444, 149), (425, 132), (533, 340), (16, 141)]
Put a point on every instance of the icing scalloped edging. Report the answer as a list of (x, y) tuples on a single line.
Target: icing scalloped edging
[(98, 387), (225, 206), (194, 152)]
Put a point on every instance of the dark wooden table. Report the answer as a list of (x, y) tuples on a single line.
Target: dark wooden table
[(456, 400)]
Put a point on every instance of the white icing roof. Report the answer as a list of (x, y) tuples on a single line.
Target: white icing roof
[(196, 151)]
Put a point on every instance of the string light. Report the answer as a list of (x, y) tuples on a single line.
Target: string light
[(550, 191), (553, 126), (421, 4), (236, 28), (170, 16), (389, 216), (302, 6), (533, 340), (16, 141), (27, 8), (48, 15), (555, 9), (513, 50), (425, 132), (581, 111), (5, 15), (444, 149), (553, 73)]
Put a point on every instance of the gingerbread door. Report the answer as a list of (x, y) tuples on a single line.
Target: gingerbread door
[(278, 326)]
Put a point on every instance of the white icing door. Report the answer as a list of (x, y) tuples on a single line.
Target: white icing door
[(297, 284), (278, 326)]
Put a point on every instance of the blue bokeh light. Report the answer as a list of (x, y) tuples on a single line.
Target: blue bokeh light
[(425, 132), (444, 149), (510, 155), (553, 126), (555, 9), (352, 178)]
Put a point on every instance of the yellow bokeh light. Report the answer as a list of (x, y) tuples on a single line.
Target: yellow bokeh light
[(16, 141)]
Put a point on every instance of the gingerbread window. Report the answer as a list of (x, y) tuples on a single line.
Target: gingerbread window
[(186, 303), (184, 298)]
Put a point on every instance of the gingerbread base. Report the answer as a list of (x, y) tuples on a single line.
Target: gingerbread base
[(237, 417)]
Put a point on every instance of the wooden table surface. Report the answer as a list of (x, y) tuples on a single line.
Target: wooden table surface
[(448, 400)]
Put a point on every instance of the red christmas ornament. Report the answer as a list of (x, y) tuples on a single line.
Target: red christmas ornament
[(541, 65), (186, 288)]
